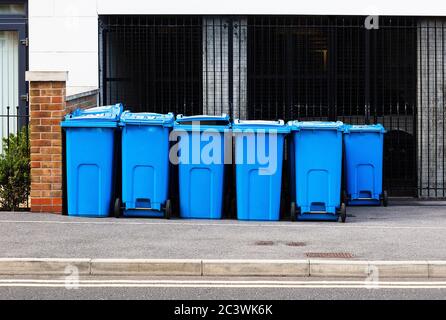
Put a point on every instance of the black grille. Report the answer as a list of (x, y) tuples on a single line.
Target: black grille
[(152, 63), (333, 68), (292, 67)]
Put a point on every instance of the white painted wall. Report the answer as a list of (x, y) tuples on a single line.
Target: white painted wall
[(64, 33), (349, 7), (63, 36)]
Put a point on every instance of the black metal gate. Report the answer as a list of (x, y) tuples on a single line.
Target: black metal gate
[(334, 68), (152, 62), (293, 67)]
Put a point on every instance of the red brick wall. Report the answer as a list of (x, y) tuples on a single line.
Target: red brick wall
[(83, 102), (47, 108)]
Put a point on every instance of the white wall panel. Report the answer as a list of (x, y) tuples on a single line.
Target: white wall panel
[(342, 7), (68, 28)]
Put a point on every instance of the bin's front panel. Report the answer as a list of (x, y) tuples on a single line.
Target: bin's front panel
[(258, 175), (363, 159), (201, 172), (89, 171), (318, 156), (145, 167)]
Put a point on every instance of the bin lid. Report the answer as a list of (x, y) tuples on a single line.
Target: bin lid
[(316, 125), (206, 122), (147, 118), (105, 116), (365, 128), (278, 125)]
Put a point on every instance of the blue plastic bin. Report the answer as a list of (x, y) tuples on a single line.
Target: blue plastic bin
[(145, 165), (258, 160), (364, 164), (90, 146), (201, 171), (318, 168)]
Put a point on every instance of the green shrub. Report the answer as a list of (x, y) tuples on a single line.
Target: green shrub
[(14, 171)]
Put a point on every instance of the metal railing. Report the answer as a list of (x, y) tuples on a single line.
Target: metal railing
[(292, 68), (14, 129)]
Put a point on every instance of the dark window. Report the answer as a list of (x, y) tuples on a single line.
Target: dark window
[(152, 63)]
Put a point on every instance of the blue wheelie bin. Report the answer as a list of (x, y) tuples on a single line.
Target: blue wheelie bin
[(90, 150), (318, 169), (145, 165), (201, 165), (363, 165), (258, 160)]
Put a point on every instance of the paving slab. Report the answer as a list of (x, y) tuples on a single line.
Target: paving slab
[(403, 232)]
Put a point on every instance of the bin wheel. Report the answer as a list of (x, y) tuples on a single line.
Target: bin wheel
[(117, 208), (293, 211), (233, 209), (345, 197), (168, 209), (385, 199), (343, 213)]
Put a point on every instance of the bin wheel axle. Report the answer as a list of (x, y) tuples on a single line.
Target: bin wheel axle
[(294, 211), (345, 197), (343, 213), (117, 209), (168, 209), (384, 199)]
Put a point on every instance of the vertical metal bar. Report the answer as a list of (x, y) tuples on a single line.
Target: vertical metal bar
[(153, 52), (231, 67), (240, 30), (367, 76), (269, 73), (169, 65), (428, 109), (193, 106), (351, 72), (443, 105), (291, 88), (198, 31), (397, 87), (27, 125), (206, 71), (318, 77), (161, 64), (305, 73), (358, 67), (7, 125), (261, 66), (276, 69), (388, 65), (414, 84), (420, 129), (184, 62), (343, 70), (436, 110), (221, 67), (17, 120), (214, 84)]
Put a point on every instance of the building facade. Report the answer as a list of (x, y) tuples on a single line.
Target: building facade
[(346, 60)]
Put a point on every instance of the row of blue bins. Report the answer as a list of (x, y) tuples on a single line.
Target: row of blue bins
[(316, 150)]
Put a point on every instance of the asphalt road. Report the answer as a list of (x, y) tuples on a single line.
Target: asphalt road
[(219, 289), (373, 233)]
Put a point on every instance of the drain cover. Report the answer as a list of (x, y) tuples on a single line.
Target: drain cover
[(264, 243), (333, 255), (296, 244)]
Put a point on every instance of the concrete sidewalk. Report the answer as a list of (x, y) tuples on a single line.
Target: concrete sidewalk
[(393, 233)]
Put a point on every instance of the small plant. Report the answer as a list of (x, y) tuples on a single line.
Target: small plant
[(14, 171)]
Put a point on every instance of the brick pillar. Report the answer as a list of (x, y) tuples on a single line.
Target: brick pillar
[(47, 108)]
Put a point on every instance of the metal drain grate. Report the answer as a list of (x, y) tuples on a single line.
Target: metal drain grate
[(296, 244), (264, 243), (332, 255)]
